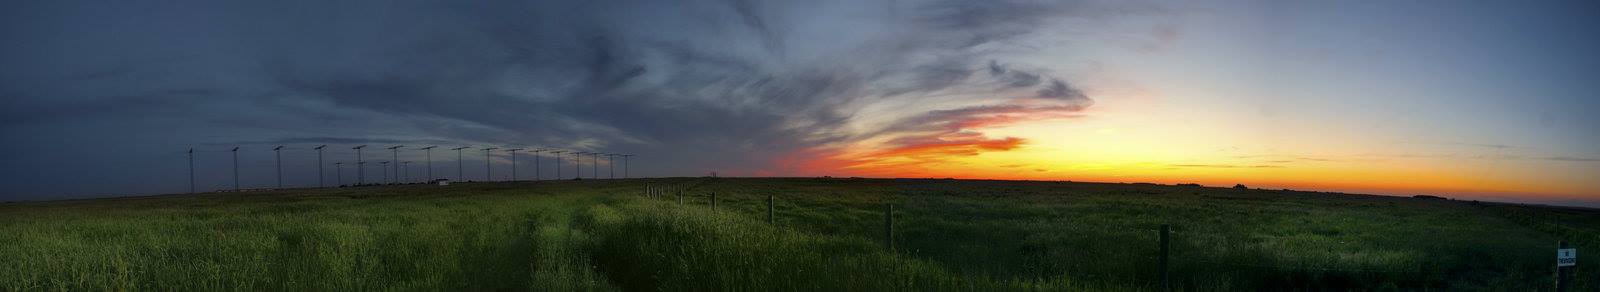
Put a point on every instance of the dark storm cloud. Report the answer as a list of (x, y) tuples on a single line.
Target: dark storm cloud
[(698, 85), (1059, 89), (589, 75), (1012, 78)]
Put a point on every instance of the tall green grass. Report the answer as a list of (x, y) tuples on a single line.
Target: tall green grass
[(951, 235)]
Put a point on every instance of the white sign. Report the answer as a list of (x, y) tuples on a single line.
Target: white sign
[(1566, 257)]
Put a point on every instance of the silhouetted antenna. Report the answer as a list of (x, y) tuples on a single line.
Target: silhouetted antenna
[(235, 168), (460, 163), (625, 166), (361, 168), (610, 169), (320, 176), (385, 165), (488, 165), (536, 175), (578, 164), (611, 163), (596, 166), (278, 154), (406, 171), (396, 152), (558, 161), (191, 170), (429, 152), (514, 162), (338, 172)]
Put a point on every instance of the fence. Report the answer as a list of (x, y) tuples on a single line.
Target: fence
[(1163, 257)]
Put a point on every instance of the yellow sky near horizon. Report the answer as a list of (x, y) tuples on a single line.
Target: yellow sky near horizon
[(1159, 144)]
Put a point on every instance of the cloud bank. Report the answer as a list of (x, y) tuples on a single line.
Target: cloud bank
[(739, 87)]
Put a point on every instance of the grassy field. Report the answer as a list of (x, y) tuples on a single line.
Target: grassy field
[(828, 235)]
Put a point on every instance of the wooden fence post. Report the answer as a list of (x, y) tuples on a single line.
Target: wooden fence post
[(1165, 240), (1563, 274), (713, 201), (888, 226)]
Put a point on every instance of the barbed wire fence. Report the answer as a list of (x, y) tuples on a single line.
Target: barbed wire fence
[(701, 194)]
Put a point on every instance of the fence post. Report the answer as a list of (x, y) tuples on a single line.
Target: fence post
[(1563, 274), (1165, 240), (713, 201), (769, 209), (888, 226)]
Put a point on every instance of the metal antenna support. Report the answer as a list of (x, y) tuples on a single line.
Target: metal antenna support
[(278, 154), (338, 173), (396, 157), (428, 151), (459, 163), (235, 168), (405, 171), (361, 175), (488, 165), (558, 161), (625, 165), (191, 170), (611, 160), (577, 164), (536, 176), (514, 162), (320, 176)]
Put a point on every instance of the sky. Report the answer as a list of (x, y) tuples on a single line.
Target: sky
[(1472, 100)]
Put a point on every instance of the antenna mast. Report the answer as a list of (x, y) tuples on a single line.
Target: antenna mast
[(625, 165), (320, 176), (338, 172), (611, 160), (558, 161), (514, 162), (459, 162), (429, 152), (277, 154), (191, 170), (396, 158), (361, 168), (577, 164), (488, 165), (536, 176), (235, 168)]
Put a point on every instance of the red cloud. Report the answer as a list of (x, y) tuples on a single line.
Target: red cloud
[(957, 144), (925, 144)]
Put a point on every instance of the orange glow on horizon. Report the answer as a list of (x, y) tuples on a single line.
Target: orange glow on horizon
[(1051, 144)]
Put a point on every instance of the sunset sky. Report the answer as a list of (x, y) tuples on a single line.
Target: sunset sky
[(1479, 100)]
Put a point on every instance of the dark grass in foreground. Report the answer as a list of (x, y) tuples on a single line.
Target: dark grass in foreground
[(601, 235)]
